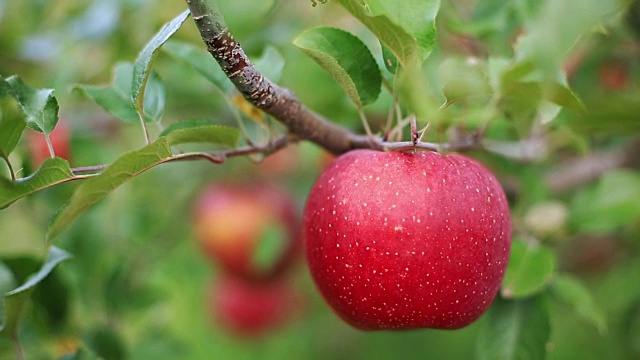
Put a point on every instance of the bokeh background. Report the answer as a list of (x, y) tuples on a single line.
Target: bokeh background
[(138, 284)]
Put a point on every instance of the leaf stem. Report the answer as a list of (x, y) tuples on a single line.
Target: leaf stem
[(4, 156), (144, 127)]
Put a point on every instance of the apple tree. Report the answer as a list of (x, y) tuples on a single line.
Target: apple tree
[(470, 168)]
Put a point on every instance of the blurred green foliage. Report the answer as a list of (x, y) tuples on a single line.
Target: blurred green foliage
[(564, 75)]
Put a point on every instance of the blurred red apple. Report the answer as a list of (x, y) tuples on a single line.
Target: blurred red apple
[(614, 75), (60, 140), (281, 163), (252, 309), (252, 231)]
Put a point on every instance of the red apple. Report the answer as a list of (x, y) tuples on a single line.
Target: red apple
[(399, 240), (232, 222), (251, 309), (60, 140), (614, 75)]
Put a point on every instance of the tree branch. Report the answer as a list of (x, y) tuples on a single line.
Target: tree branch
[(576, 172), (262, 93), (214, 157)]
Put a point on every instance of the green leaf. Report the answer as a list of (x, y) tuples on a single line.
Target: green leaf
[(562, 95), (142, 65), (608, 114), (201, 61), (95, 189), (15, 301), (399, 42), (390, 61), (417, 17), (116, 99), (154, 98), (572, 291), (5, 88), (40, 106), (52, 172), (201, 131), (515, 330), (11, 128), (81, 354), (270, 64), (530, 268), (7, 282), (347, 59), (555, 30), (610, 205)]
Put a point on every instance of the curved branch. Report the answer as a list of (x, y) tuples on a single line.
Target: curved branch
[(262, 93)]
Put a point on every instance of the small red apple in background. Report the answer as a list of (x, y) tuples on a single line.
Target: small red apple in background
[(284, 162), (60, 140), (400, 240), (232, 222), (614, 75), (251, 309)]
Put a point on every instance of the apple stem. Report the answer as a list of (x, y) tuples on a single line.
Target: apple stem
[(415, 137)]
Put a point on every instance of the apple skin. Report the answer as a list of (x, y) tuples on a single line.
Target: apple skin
[(60, 140), (230, 220), (252, 309), (400, 240)]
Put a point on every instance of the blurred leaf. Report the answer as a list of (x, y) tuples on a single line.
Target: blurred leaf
[(52, 172), (347, 59), (5, 88), (142, 65), (463, 79), (201, 131), (81, 354), (270, 247), (390, 61), (530, 268), (552, 33), (201, 61), (270, 64), (93, 190), (115, 98), (15, 301), (608, 114), (417, 17), (489, 16), (515, 330), (7, 282), (154, 98), (632, 326), (107, 344), (40, 106), (571, 290), (11, 128), (563, 96), (399, 42), (609, 205)]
